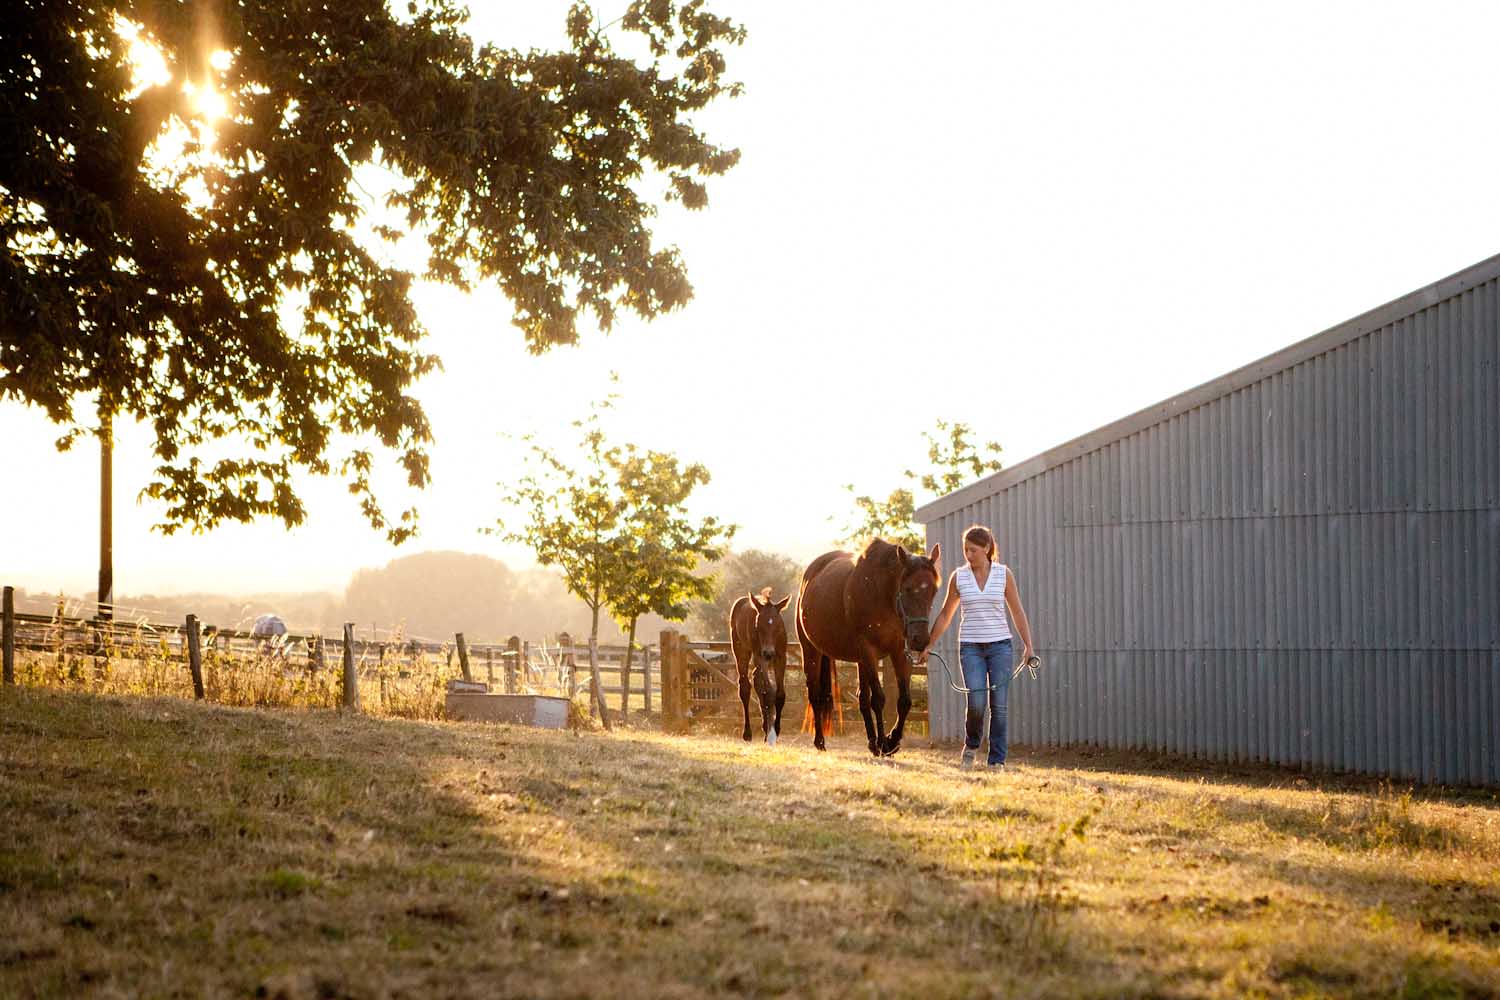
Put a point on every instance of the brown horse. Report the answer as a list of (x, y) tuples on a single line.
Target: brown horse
[(860, 610), (758, 637)]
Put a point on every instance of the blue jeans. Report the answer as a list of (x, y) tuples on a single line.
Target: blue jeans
[(987, 664)]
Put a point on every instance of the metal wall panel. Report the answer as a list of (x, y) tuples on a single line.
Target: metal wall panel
[(1296, 563)]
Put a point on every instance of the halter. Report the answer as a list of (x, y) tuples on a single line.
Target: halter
[(907, 620)]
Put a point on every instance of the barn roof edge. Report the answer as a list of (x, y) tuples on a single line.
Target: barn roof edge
[(1223, 385)]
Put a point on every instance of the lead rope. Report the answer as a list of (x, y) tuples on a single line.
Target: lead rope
[(1032, 663)]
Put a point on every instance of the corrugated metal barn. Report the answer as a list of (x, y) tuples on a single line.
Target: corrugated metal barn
[(1298, 562)]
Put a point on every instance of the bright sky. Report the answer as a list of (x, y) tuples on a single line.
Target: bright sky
[(1034, 218)]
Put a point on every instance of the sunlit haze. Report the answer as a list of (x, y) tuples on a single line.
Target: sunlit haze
[(1033, 218)]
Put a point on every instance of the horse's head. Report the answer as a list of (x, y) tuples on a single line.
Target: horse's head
[(915, 590)]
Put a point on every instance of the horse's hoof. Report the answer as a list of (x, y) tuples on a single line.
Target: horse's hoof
[(876, 749), (819, 744), (771, 737), (745, 736)]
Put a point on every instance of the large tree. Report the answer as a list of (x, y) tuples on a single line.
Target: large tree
[(186, 242)]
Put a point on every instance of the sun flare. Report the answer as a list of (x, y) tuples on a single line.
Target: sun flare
[(207, 102)]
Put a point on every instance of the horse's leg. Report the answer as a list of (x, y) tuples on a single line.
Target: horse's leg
[(812, 668), (871, 700), (823, 711), (903, 704), (825, 691)]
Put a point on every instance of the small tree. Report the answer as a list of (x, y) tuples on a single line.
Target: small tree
[(573, 519), (954, 461), (661, 546)]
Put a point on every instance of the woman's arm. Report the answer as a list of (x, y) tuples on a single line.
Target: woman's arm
[(1018, 613), (950, 605)]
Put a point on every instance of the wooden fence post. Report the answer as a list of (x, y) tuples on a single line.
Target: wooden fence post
[(671, 680), (565, 664), (195, 656), (463, 655), (513, 651), (489, 665), (523, 669), (9, 638), (646, 677), (351, 678)]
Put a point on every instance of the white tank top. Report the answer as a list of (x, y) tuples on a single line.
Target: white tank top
[(982, 615)]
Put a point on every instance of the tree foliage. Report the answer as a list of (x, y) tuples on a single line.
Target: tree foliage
[(571, 517), (739, 574), (953, 461), (663, 544), (225, 279), (616, 525)]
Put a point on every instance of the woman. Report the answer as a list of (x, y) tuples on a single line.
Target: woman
[(986, 591)]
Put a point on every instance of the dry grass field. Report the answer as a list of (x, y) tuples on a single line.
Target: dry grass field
[(157, 847)]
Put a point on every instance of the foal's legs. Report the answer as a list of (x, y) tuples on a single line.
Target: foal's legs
[(745, 703), (742, 666), (780, 694)]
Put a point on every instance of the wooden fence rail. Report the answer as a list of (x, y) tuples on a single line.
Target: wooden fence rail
[(513, 666), (696, 681), (700, 685)]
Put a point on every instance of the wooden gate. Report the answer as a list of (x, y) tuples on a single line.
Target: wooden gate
[(700, 686)]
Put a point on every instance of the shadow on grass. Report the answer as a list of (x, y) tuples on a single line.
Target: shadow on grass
[(1243, 774), (163, 847)]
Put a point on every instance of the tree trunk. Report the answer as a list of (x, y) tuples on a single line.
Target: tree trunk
[(106, 592), (625, 673), (594, 682)]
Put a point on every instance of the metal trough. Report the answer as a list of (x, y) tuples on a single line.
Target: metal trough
[(468, 702)]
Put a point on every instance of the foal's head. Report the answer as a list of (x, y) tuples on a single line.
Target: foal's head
[(767, 630)]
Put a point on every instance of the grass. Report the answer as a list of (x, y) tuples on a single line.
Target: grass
[(400, 685), (158, 847), (410, 687)]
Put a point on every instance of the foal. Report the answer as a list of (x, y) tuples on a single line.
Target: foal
[(758, 636)]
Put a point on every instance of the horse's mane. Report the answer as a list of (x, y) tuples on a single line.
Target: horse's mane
[(877, 551)]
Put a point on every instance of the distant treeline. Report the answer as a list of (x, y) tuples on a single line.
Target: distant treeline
[(431, 595)]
